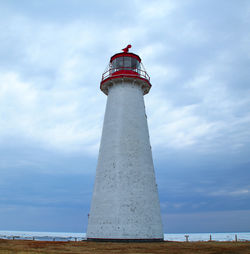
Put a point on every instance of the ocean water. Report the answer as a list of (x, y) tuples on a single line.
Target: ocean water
[(43, 236), (194, 237), (65, 236)]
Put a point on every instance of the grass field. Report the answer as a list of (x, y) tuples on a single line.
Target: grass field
[(28, 246)]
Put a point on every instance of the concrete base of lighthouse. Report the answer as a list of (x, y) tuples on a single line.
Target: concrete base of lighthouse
[(125, 240), (125, 205)]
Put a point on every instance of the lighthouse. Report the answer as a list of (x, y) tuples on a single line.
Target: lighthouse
[(125, 203)]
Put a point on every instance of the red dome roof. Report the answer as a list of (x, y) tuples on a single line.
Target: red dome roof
[(128, 54)]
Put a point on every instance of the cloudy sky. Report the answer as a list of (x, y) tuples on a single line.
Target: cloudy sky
[(52, 56)]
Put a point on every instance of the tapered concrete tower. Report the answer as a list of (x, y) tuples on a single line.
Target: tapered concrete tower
[(125, 204)]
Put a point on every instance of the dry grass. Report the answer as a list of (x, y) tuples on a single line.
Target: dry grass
[(32, 247)]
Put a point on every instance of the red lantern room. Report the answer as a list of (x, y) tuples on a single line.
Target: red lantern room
[(125, 66)]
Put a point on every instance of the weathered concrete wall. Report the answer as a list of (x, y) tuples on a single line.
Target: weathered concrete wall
[(125, 202)]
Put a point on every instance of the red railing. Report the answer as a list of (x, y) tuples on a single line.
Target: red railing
[(113, 72)]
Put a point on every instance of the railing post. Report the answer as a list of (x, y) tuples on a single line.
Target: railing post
[(186, 237)]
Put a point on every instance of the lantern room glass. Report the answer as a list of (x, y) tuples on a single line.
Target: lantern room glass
[(125, 63)]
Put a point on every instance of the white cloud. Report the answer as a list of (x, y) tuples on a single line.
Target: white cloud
[(52, 95), (176, 127), (155, 9), (163, 74), (61, 118), (231, 193)]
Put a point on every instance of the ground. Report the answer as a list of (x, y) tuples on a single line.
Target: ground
[(84, 247)]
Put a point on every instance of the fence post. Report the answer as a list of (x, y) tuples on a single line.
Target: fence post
[(186, 237), (210, 238), (236, 238)]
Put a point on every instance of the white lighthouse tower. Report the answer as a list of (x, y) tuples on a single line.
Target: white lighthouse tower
[(125, 204)]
